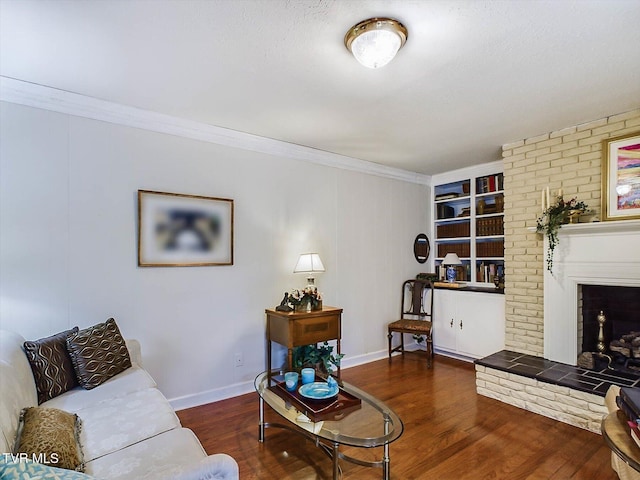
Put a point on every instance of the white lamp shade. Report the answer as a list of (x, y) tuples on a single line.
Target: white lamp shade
[(376, 48), (309, 262), (451, 259)]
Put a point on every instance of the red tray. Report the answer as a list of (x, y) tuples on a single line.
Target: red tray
[(332, 410)]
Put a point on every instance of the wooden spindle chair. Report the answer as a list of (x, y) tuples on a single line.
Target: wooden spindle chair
[(415, 319)]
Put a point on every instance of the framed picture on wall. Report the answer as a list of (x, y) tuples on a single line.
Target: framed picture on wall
[(178, 230), (621, 177)]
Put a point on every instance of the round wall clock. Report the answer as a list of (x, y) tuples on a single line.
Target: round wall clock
[(421, 248)]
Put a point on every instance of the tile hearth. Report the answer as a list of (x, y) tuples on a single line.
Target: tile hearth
[(596, 382)]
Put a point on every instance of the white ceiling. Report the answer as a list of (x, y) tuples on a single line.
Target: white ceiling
[(473, 75)]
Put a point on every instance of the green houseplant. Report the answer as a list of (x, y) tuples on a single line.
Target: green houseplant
[(320, 357), (553, 218)]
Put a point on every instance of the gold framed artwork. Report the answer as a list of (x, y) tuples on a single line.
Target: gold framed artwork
[(178, 230), (621, 177)]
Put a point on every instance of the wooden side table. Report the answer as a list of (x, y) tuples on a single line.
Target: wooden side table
[(616, 434), (294, 329)]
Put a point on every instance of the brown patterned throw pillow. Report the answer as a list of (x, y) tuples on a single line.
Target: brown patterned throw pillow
[(50, 436), (51, 366), (98, 353)]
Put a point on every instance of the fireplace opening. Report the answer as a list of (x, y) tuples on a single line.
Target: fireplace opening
[(619, 337)]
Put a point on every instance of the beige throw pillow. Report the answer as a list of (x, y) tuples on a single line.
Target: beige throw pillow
[(51, 437)]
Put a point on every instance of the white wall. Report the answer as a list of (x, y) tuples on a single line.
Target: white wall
[(68, 245)]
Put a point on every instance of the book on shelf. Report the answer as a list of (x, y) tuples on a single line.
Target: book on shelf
[(489, 226), (465, 212), (490, 248), (486, 272), (453, 230), (444, 211), (490, 183), (446, 196), (463, 250), (463, 272)]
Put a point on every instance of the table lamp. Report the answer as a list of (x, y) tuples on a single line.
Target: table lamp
[(309, 263), (450, 261)]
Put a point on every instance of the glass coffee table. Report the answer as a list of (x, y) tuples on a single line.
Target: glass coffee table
[(354, 419)]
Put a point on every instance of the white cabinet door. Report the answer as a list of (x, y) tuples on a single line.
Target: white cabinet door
[(480, 324), (444, 312), (470, 324)]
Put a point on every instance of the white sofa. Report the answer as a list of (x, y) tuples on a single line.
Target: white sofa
[(129, 430)]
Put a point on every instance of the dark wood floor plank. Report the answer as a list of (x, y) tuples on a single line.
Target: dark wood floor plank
[(450, 433)]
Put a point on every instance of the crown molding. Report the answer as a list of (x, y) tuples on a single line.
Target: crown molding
[(488, 168), (47, 98)]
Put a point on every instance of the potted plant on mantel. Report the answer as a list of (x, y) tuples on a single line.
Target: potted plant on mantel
[(320, 357), (554, 217)]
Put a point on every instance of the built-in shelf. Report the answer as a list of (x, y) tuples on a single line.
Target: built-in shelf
[(468, 221)]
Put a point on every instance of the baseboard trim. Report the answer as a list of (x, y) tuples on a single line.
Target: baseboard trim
[(457, 356), (210, 396), (217, 394)]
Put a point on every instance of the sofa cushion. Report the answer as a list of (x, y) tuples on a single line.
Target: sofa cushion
[(146, 459), (122, 421), (98, 353), (170, 455), (131, 380), (19, 469), (51, 436), (51, 365)]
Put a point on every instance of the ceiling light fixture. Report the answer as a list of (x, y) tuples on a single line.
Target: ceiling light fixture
[(374, 42)]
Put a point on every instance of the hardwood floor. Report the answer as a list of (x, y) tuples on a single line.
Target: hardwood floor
[(450, 432)]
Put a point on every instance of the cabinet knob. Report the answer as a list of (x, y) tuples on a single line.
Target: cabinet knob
[(460, 324), (451, 324)]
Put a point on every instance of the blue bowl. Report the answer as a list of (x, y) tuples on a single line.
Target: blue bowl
[(319, 391)]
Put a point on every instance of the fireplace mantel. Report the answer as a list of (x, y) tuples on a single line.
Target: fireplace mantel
[(619, 226), (599, 253), (604, 228)]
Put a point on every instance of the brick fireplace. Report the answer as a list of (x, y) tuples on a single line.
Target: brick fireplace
[(598, 254), (540, 334)]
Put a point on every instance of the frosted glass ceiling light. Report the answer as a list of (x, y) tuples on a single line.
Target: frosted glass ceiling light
[(376, 41)]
